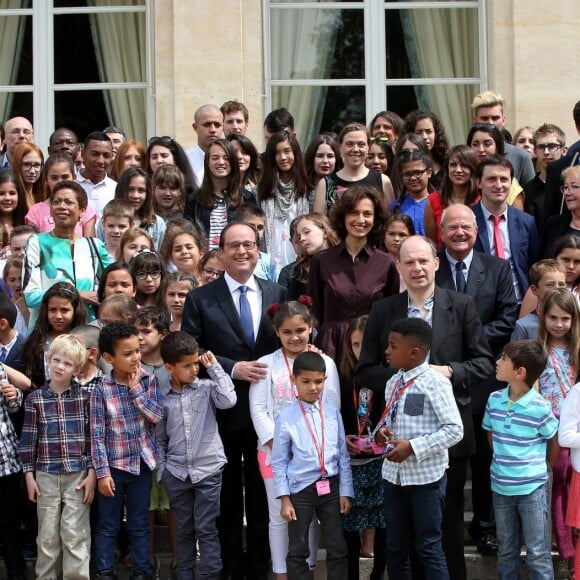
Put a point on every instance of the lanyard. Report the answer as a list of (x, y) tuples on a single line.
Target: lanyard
[(289, 371), (571, 373), (319, 447), (396, 394), (360, 427)]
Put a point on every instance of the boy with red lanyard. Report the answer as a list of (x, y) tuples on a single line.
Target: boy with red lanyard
[(312, 470), (421, 421)]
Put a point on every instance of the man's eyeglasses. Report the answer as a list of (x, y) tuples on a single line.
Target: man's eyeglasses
[(248, 246), (551, 147)]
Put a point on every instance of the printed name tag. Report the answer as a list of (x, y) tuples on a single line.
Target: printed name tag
[(323, 487)]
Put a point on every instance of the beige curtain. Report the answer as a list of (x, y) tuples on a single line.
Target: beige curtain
[(302, 47), (119, 41), (11, 39), (444, 43)]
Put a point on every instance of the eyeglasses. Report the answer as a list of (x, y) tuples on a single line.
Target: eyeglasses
[(26, 132), (155, 275), (415, 174), (551, 147), (28, 165), (212, 273), (456, 227), (236, 246), (574, 187)]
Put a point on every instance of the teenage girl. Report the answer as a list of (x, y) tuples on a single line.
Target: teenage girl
[(168, 192), (387, 124), (27, 163), (249, 163), (293, 323), (60, 311), (12, 207), (321, 158), (59, 167), (149, 272), (134, 240), (283, 193), (364, 526), (134, 187), (380, 157), (130, 154), (210, 267), (117, 279), (177, 286), (559, 331), (183, 251)]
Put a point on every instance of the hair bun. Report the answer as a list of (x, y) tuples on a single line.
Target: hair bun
[(271, 310)]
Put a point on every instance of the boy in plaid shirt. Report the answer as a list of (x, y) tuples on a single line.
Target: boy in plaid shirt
[(124, 410), (56, 457), (422, 422)]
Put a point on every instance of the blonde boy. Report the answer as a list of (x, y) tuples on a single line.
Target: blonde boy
[(56, 458)]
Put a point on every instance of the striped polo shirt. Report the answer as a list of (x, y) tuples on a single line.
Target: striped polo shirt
[(520, 431)]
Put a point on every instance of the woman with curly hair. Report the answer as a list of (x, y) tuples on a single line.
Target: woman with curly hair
[(429, 126), (347, 279)]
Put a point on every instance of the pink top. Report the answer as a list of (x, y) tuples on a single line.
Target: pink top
[(39, 216)]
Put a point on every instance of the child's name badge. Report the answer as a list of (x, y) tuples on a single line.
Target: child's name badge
[(323, 487)]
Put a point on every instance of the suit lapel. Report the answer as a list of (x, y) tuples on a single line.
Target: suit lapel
[(482, 229), (441, 306), (267, 300), (444, 276), (475, 276), (226, 303)]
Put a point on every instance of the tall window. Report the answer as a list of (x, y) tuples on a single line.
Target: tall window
[(83, 64), (330, 61)]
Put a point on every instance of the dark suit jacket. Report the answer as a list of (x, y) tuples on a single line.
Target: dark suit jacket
[(458, 340), (210, 316), (490, 284), (556, 227), (13, 358), (524, 244)]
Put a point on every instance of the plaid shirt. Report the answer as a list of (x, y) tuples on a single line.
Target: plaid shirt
[(426, 414), (9, 461), (89, 385), (123, 425), (55, 437)]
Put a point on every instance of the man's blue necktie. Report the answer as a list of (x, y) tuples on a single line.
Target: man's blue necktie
[(246, 315)]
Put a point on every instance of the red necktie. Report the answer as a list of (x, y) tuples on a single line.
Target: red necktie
[(497, 239)]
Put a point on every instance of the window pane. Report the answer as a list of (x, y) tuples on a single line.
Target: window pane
[(86, 111), (317, 44), (450, 102), (16, 105), (432, 43), (99, 48), (77, 3), (317, 109), (16, 50)]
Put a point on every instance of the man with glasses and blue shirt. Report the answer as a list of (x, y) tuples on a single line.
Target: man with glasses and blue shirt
[(16, 130), (227, 317)]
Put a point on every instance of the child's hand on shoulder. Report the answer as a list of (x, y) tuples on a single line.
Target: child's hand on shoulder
[(345, 504), (207, 359)]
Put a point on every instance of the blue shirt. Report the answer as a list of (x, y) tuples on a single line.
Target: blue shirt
[(294, 457), (527, 327), (520, 430), (414, 209)]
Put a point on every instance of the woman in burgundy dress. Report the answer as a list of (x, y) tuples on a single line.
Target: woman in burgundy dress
[(347, 279)]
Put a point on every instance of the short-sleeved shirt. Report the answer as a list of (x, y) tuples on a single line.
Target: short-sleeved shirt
[(520, 430)]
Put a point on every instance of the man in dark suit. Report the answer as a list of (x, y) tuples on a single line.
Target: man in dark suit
[(459, 352), (227, 318), (504, 231), (489, 281)]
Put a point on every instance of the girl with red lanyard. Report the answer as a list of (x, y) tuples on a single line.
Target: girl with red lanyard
[(364, 526), (293, 323), (559, 330)]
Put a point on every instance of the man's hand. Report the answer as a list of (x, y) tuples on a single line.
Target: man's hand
[(401, 451), (106, 486), (287, 510), (250, 370), (345, 504), (442, 370)]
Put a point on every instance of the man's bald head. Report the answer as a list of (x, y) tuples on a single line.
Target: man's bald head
[(17, 130)]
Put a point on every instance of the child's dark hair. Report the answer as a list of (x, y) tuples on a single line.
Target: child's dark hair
[(114, 267), (301, 307), (246, 210), (148, 262), (348, 360), (25, 229), (176, 345), (175, 277), (8, 310), (113, 333), (528, 354), (416, 331), (154, 316), (404, 219), (33, 348), (308, 362)]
